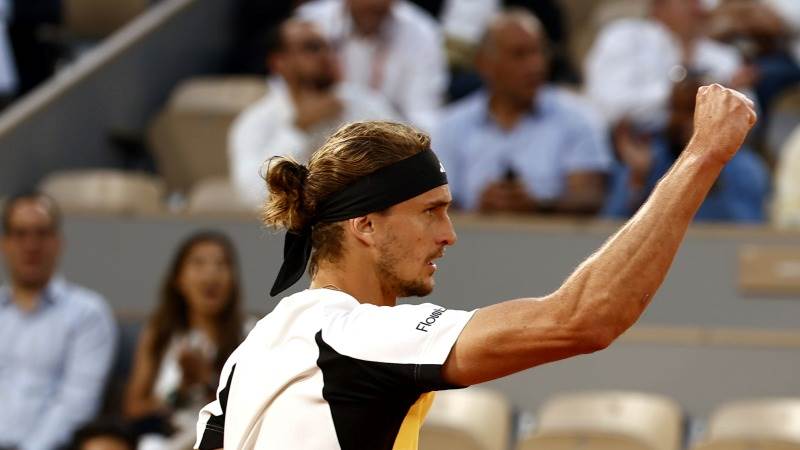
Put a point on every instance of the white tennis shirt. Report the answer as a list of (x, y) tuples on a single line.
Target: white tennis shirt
[(323, 372)]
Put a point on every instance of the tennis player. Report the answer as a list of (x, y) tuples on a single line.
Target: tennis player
[(341, 366)]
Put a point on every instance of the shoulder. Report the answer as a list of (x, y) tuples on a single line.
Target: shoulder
[(467, 109), (365, 102), (415, 22), (629, 28), (273, 101), (570, 108), (87, 304), (320, 9)]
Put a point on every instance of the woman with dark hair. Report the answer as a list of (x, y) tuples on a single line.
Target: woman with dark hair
[(196, 326)]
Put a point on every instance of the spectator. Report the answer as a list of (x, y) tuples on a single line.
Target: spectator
[(8, 68), (464, 23), (56, 338), (521, 145), (739, 194), (391, 46), (104, 435), (197, 324), (35, 58), (304, 104), (253, 21), (633, 62), (767, 33)]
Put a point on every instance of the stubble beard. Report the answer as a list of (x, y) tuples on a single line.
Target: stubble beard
[(387, 273)]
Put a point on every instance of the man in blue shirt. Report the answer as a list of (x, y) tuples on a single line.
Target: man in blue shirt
[(521, 145), (739, 194), (56, 339)]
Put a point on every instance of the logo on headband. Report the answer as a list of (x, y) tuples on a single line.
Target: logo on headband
[(441, 168)]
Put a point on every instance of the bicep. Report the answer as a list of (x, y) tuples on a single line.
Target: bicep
[(512, 336)]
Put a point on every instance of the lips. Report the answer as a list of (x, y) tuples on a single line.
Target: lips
[(436, 256)]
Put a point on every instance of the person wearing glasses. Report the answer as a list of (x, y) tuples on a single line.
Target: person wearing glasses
[(305, 103), (57, 339)]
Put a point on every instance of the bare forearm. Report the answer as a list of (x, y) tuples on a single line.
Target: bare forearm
[(611, 288)]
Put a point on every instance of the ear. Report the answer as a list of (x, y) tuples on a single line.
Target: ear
[(363, 229)]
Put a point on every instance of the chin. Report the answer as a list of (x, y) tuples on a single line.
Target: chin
[(419, 288)]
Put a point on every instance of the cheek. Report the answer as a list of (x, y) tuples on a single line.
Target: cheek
[(186, 282)]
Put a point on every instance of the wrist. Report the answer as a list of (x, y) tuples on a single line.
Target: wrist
[(699, 150)]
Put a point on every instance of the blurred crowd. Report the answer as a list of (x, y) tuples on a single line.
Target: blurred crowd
[(519, 124), (60, 353)]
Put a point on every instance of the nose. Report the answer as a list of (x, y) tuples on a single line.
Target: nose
[(448, 236)]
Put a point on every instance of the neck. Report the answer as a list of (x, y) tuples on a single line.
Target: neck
[(507, 110), (204, 323), (26, 297), (359, 282)]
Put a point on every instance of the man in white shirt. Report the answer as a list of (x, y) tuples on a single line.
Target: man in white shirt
[(304, 104), (634, 62), (391, 46)]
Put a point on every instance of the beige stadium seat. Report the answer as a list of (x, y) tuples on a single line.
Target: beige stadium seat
[(189, 136), (216, 196), (607, 421), (107, 191), (95, 19), (467, 419), (767, 424)]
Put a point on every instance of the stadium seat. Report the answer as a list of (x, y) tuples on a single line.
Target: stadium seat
[(216, 196), (606, 421), (784, 115), (107, 191), (93, 19), (786, 196), (189, 137), (766, 424), (467, 419)]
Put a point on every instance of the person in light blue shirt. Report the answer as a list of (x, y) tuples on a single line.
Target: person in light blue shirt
[(57, 339), (521, 145), (739, 195)]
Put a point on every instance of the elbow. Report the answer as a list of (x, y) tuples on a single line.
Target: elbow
[(598, 339), (597, 328), (591, 338)]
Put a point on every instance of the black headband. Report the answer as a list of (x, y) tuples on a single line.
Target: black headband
[(377, 191)]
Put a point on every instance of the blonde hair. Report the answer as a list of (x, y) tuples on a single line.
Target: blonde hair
[(355, 150)]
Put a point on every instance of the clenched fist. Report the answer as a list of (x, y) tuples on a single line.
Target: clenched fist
[(722, 119)]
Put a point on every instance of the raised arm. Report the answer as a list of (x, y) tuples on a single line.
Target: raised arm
[(609, 291)]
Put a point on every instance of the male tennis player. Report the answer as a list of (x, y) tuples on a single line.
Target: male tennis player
[(339, 366)]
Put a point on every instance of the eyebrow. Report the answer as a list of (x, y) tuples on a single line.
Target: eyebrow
[(437, 203)]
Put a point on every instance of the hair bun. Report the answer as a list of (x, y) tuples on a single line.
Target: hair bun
[(286, 179)]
